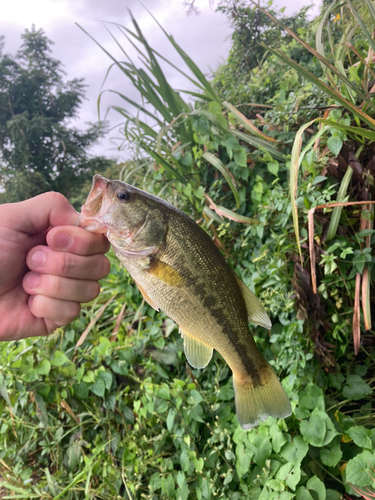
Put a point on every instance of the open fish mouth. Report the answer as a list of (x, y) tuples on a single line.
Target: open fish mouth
[(98, 207)]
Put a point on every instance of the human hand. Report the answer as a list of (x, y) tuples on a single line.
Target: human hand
[(48, 266)]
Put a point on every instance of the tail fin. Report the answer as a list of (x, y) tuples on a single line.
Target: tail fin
[(254, 403)]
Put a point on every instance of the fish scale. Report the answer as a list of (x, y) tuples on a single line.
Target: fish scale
[(179, 270)]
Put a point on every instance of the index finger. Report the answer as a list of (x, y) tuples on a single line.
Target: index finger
[(38, 214), (77, 240)]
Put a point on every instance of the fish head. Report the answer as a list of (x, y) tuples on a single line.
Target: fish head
[(129, 217)]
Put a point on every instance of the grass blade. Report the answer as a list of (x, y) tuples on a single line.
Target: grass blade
[(93, 322), (164, 163), (190, 64), (336, 213), (316, 54), (366, 307), (362, 25), (247, 123), (225, 212), (218, 164), (294, 167), (259, 144), (328, 90)]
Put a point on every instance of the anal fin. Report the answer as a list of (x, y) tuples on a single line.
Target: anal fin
[(255, 310), (197, 353)]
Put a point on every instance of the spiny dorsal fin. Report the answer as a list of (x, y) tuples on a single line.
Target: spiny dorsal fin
[(255, 310), (197, 353)]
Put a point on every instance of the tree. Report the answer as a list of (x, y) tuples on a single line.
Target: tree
[(253, 33), (38, 151)]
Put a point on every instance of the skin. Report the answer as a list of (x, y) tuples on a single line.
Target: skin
[(48, 266)]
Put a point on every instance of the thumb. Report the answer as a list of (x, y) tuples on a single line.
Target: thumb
[(38, 214)]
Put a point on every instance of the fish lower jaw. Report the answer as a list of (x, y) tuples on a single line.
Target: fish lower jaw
[(92, 225)]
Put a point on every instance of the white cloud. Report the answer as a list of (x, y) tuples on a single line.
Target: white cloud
[(206, 39)]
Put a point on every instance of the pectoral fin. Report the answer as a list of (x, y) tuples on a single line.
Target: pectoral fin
[(197, 353), (165, 272), (255, 310), (146, 297)]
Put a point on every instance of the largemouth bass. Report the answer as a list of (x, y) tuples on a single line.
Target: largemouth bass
[(179, 270)]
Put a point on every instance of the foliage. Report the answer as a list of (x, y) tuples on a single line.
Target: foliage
[(38, 151), (253, 32), (123, 411)]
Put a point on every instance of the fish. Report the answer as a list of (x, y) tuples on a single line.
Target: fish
[(179, 270)]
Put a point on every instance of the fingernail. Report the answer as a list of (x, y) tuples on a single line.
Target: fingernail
[(33, 280), (62, 241), (38, 258)]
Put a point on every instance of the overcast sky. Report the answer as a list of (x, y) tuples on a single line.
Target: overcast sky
[(206, 39)]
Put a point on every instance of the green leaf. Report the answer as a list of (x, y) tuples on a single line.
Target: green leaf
[(59, 358), (98, 387), (313, 485), (43, 368), (291, 474), (331, 456), (260, 444), (333, 495), (295, 450), (240, 158), (184, 460), (170, 418), (180, 479), (356, 388), (359, 262), (334, 145), (197, 398), (88, 377), (74, 455), (359, 469), (168, 486), (128, 414), (81, 390), (361, 436), (108, 378), (163, 393), (273, 167), (243, 459), (231, 143), (314, 430), (278, 439)]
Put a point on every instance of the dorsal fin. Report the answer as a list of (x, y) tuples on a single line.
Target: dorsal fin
[(255, 310), (197, 353)]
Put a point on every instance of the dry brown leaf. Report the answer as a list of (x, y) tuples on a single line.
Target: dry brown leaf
[(93, 322), (357, 315)]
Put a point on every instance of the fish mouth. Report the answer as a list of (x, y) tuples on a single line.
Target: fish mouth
[(98, 207)]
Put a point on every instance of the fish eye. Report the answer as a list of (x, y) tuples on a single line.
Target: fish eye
[(123, 195)]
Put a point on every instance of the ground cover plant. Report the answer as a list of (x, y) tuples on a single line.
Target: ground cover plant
[(108, 407)]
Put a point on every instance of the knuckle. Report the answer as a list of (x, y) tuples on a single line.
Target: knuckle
[(56, 285), (38, 306), (72, 310), (58, 198), (67, 264), (105, 266), (95, 290)]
